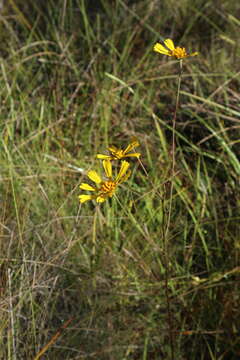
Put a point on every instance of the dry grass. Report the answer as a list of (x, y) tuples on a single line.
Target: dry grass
[(89, 282)]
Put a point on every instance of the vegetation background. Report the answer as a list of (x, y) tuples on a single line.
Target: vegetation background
[(90, 282)]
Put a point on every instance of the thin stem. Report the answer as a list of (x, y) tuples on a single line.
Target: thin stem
[(94, 236), (174, 147), (166, 244)]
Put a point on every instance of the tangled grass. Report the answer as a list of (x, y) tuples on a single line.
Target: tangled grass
[(132, 278)]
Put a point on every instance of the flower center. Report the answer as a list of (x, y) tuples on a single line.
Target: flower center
[(119, 154), (179, 53), (108, 186)]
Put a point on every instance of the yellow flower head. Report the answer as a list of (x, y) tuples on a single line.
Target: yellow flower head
[(177, 52), (104, 188), (118, 154)]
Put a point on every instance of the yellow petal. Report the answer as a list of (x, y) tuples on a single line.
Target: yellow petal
[(131, 146), (161, 49), (94, 177), (108, 168), (85, 186), (113, 149), (100, 199), (125, 177), (83, 198), (169, 44), (133, 154), (104, 157), (124, 167)]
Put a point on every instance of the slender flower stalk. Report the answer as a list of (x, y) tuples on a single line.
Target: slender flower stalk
[(168, 220), (107, 187), (118, 154), (178, 53), (170, 50)]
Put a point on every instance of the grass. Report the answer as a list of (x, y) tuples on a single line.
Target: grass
[(117, 281)]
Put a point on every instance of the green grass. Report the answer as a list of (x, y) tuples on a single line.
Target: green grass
[(76, 78)]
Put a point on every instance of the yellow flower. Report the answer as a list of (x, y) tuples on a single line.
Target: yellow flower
[(104, 188), (177, 52), (117, 154)]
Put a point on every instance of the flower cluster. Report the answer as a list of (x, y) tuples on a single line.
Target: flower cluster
[(106, 187)]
